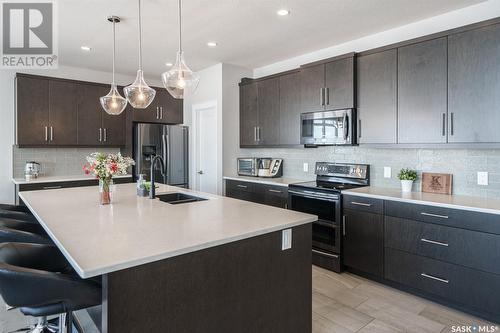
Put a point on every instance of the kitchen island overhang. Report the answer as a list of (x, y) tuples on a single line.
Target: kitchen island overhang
[(209, 266)]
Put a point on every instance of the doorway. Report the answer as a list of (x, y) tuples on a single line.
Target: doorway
[(205, 147)]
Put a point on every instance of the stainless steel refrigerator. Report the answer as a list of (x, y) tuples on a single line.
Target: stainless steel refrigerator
[(168, 141)]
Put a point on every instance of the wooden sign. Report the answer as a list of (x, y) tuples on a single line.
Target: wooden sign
[(436, 182)]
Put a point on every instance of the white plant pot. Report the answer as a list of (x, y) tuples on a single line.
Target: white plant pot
[(406, 185)]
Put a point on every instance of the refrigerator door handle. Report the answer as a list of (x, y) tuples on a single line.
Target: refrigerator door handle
[(166, 156)]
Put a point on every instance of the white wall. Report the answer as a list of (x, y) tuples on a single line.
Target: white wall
[(468, 15), (7, 114), (209, 90)]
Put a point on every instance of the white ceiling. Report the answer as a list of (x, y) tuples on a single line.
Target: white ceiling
[(248, 32)]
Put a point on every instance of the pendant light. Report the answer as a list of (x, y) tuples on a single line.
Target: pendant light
[(180, 77), (113, 103), (139, 94)]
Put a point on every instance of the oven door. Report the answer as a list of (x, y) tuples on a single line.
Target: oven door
[(326, 230), (327, 128)]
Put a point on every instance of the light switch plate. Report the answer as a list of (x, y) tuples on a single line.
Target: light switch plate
[(286, 239), (387, 172), (482, 178), (306, 167)]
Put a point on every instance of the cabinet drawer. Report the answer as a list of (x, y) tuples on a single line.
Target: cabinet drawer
[(459, 246), (239, 186), (276, 196), (458, 218), (474, 289), (364, 204)]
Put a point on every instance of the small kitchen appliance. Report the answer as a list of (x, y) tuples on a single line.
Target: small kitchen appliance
[(328, 128), (248, 166), (270, 167), (32, 170), (323, 198)]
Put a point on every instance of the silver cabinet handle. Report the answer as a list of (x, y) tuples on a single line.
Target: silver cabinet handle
[(161, 112), (51, 187), (157, 113), (331, 255), (322, 96), (344, 218), (434, 278), (258, 133), (255, 133), (51, 133), (274, 191), (434, 215), (359, 128), (105, 134), (452, 123), (361, 204), (433, 242), (242, 186), (444, 124), (46, 133), (100, 134), (327, 94)]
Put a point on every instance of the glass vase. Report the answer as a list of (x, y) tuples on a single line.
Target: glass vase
[(105, 191)]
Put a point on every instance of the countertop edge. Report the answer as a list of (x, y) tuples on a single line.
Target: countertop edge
[(200, 247), (41, 180), (423, 202)]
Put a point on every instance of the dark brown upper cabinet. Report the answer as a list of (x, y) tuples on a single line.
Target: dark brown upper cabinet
[(377, 97), (163, 110), (268, 128), (32, 104), (474, 85), (289, 106), (248, 114), (328, 85), (59, 112), (422, 91)]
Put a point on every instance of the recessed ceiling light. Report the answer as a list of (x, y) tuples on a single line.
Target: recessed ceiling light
[(169, 64), (211, 44), (86, 48), (283, 12)]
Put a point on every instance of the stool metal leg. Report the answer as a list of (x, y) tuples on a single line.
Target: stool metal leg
[(66, 322)]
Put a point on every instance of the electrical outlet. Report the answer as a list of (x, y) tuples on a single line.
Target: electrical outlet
[(387, 172), (286, 239), (306, 167), (482, 178)]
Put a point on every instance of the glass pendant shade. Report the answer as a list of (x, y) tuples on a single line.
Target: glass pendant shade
[(113, 103), (180, 78), (139, 94)]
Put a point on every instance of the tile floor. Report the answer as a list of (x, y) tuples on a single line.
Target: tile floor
[(343, 303), (346, 303)]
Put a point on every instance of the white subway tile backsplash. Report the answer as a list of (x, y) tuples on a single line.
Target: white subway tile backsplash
[(462, 163), (54, 161)]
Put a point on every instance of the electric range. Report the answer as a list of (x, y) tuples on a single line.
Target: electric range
[(323, 198)]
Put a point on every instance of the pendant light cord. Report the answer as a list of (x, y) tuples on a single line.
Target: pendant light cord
[(180, 28), (140, 37), (114, 42)]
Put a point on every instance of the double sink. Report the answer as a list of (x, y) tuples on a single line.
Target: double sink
[(178, 198)]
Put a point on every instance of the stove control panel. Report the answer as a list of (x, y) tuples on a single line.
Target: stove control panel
[(358, 171)]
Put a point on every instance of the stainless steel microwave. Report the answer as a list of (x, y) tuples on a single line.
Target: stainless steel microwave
[(336, 127), (248, 166)]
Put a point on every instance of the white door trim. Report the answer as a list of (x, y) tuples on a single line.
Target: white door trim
[(196, 108)]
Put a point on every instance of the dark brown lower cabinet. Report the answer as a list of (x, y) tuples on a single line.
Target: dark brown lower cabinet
[(464, 286), (271, 195), (363, 242)]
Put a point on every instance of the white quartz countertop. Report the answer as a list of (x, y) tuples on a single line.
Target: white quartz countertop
[(477, 204), (55, 179), (134, 231), (268, 181)]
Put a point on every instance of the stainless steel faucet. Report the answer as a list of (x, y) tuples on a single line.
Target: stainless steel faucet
[(155, 158)]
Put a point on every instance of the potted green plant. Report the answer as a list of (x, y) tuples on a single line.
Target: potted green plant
[(407, 177)]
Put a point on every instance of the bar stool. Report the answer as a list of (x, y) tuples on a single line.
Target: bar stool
[(37, 279), (15, 208)]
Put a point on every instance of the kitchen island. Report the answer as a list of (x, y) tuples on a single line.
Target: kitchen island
[(218, 265)]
